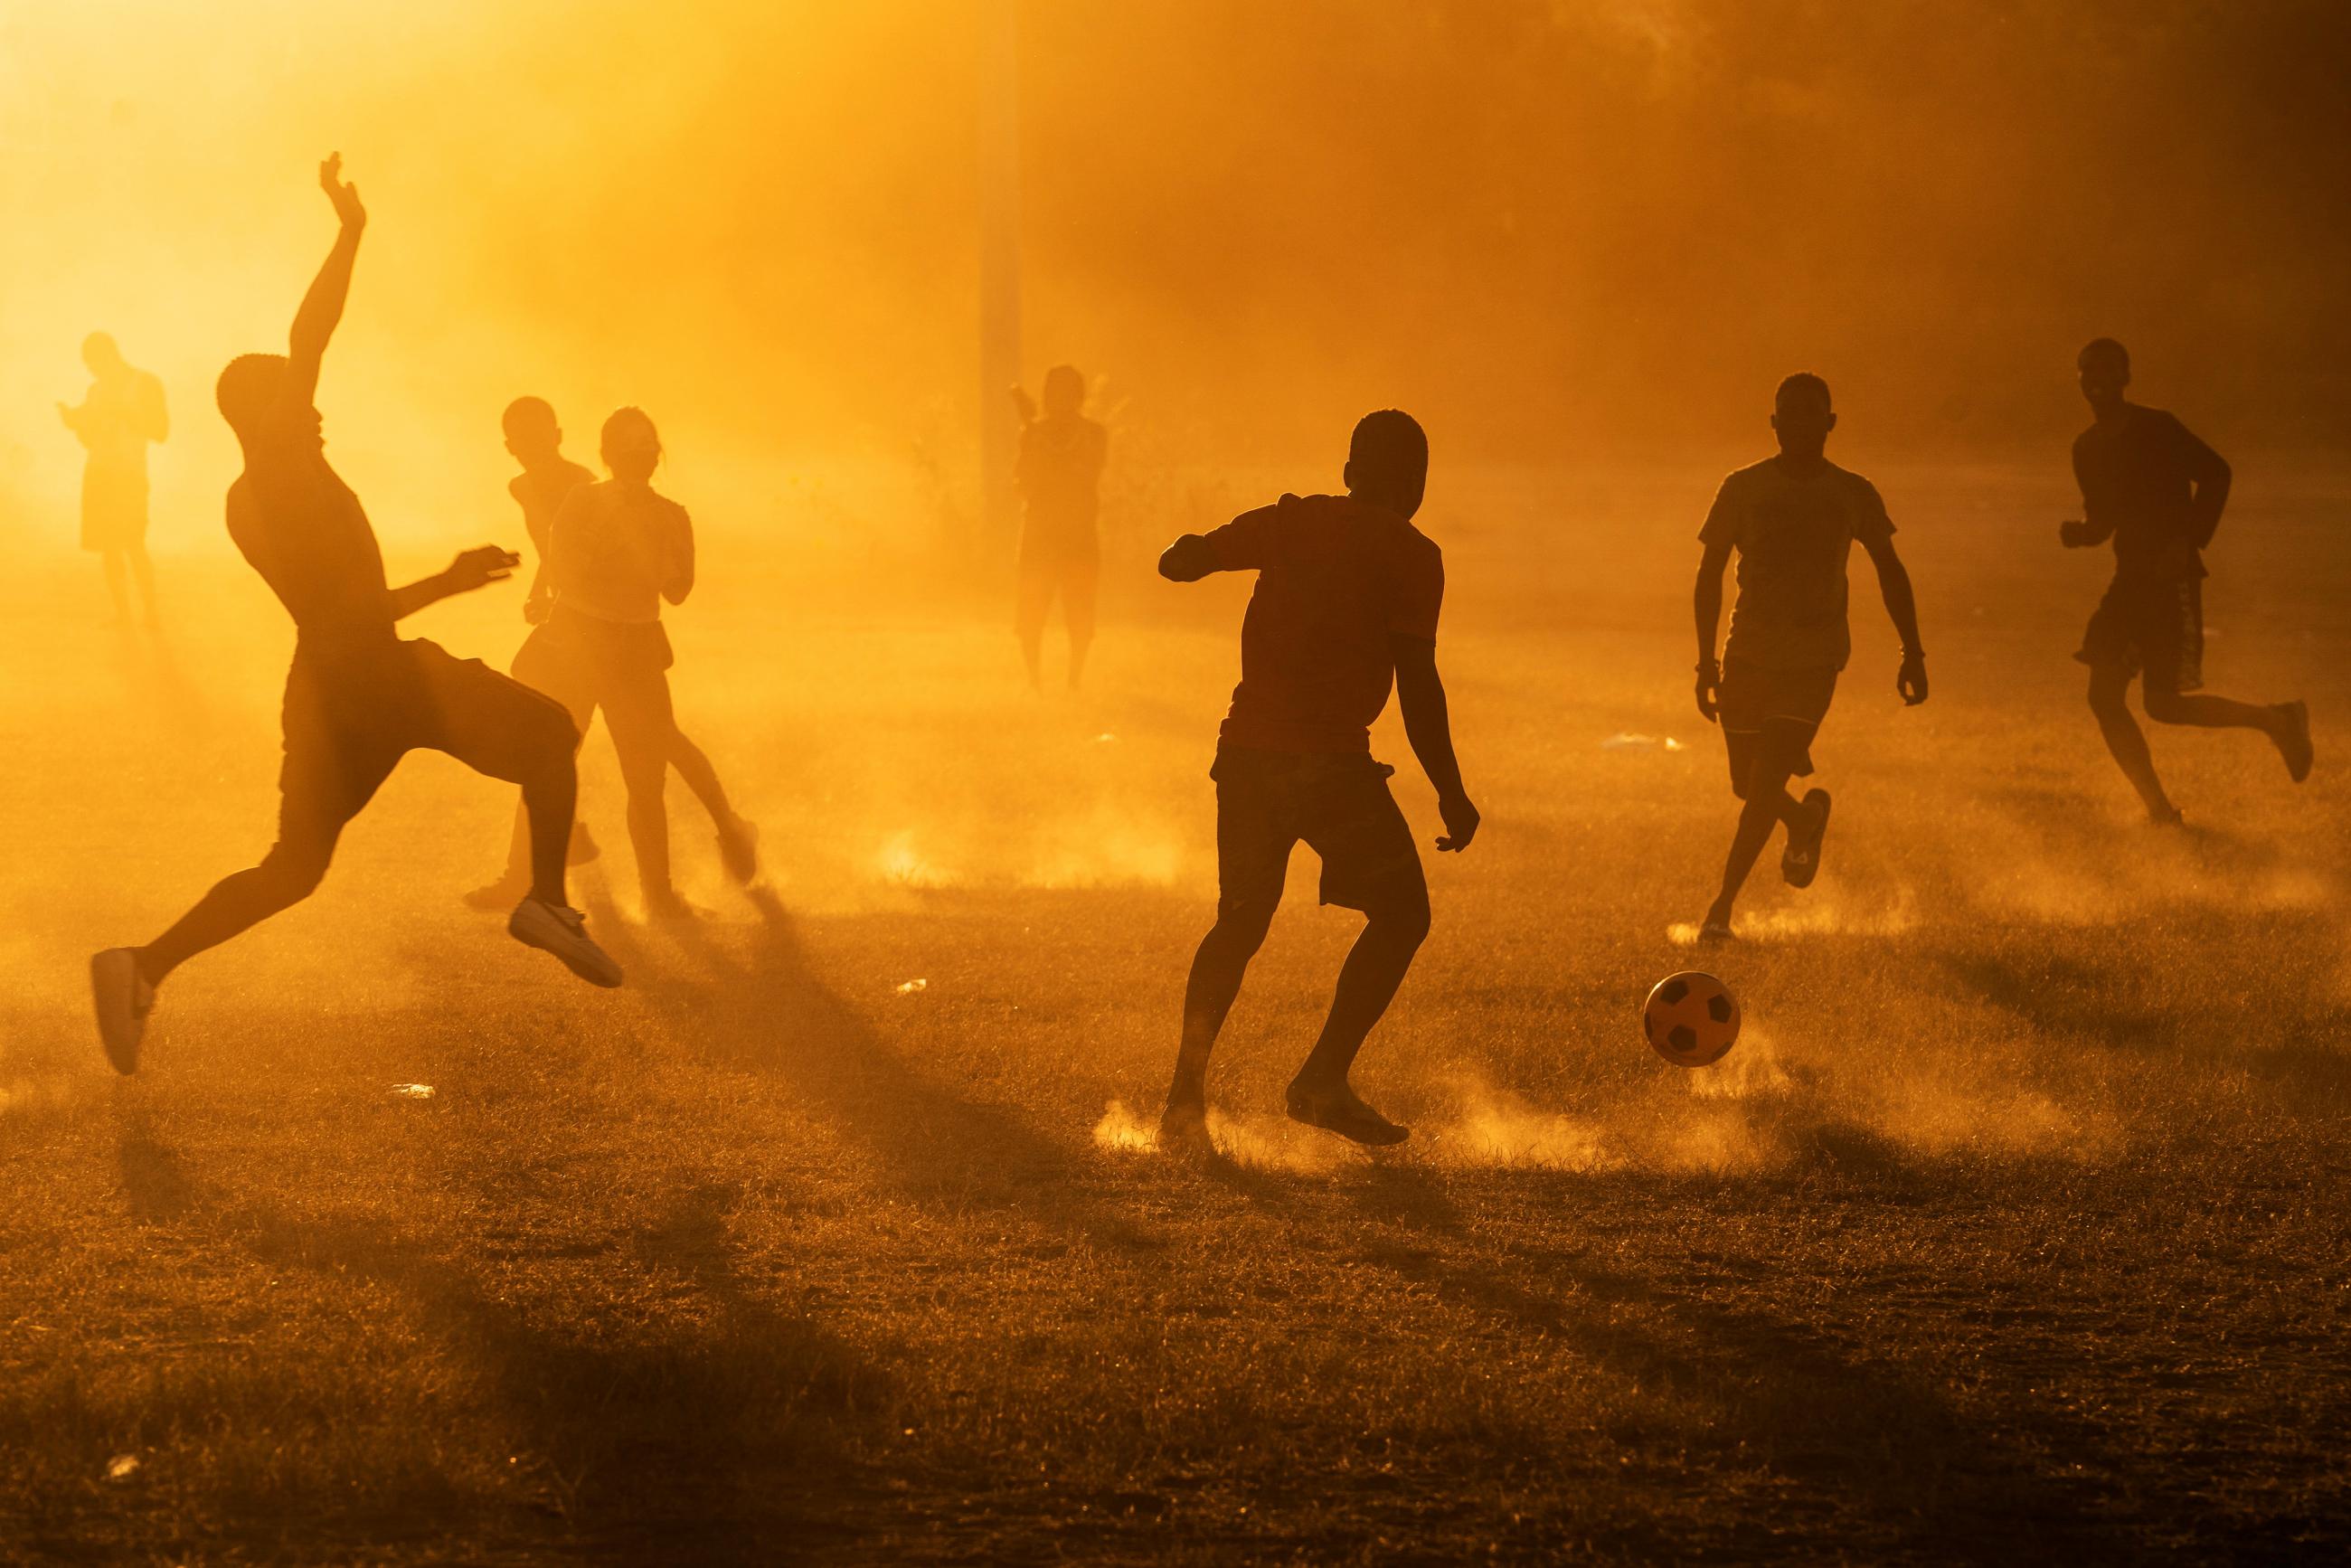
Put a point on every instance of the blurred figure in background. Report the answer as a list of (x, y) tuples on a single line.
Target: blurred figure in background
[(1792, 519), (359, 696), (616, 552), (1345, 607), (2158, 492), (1059, 471), (554, 661), (121, 415)]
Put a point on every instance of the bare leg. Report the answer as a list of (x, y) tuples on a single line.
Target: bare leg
[(1376, 966), (143, 572), (2199, 711), (1078, 592), (1216, 980), (118, 584), (2109, 700), (1769, 804), (693, 768)]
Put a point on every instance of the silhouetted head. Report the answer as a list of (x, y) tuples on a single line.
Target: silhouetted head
[(1065, 392), (99, 352), (631, 445), (248, 390), (2105, 367), (1802, 415), (1388, 460), (532, 434)]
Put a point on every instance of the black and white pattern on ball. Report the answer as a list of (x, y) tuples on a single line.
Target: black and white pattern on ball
[(1691, 1018)]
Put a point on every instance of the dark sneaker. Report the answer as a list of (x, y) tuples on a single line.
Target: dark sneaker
[(2294, 739), (738, 851), (1801, 861), (1184, 1128), (553, 928), (1340, 1110), (123, 999)]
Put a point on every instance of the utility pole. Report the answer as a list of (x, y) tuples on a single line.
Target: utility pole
[(1000, 264)]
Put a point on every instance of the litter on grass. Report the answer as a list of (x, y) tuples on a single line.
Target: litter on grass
[(911, 987), (412, 1091), (122, 1466), (1626, 740)]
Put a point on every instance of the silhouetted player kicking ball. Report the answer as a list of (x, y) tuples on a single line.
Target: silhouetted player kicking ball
[(1060, 472), (358, 697), (2158, 492), (1345, 604), (1793, 520)]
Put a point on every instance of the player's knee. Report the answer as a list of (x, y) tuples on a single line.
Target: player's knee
[(1241, 927), (2109, 702), (292, 871), (1404, 919)]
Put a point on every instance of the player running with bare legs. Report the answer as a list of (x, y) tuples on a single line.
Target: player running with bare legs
[(1345, 605), (548, 662), (1793, 520), (358, 697), (2158, 492)]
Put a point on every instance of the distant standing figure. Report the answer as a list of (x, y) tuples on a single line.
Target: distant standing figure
[(555, 658), (1344, 609), (1793, 521), (121, 415), (1060, 474), (2158, 492)]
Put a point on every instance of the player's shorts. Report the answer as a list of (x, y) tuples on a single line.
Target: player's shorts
[(2150, 626), (348, 721), (1769, 718), (1339, 803)]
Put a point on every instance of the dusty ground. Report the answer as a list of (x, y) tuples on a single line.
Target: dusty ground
[(2014, 1226)]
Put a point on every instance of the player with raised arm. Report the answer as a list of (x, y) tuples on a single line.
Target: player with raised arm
[(2158, 492), (1793, 520), (1345, 607), (358, 697)]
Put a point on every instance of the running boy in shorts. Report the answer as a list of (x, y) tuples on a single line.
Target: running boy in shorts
[(2158, 492), (1793, 520), (1346, 606)]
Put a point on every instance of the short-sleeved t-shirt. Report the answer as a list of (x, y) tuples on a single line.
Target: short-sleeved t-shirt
[(1336, 579), (616, 550), (1794, 533), (2143, 477)]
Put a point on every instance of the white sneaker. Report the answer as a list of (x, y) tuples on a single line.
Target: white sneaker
[(124, 998), (553, 928)]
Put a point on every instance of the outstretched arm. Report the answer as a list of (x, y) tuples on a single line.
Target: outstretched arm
[(1894, 582), (475, 569), (1709, 606), (1428, 726), (323, 307), (1188, 560)]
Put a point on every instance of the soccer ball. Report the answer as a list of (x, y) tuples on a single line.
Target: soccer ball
[(1691, 1018)]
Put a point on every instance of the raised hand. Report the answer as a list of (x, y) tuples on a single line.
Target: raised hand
[(479, 568), (342, 192)]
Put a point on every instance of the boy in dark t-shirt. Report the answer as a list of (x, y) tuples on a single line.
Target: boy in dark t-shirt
[(1793, 520), (2158, 492), (1346, 606)]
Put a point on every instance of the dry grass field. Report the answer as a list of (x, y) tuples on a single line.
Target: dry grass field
[(2013, 1227)]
